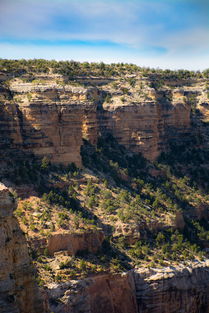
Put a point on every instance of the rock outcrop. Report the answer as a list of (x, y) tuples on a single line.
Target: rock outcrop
[(18, 290), (182, 289), (69, 243), (51, 120), (146, 127), (102, 294), (74, 243)]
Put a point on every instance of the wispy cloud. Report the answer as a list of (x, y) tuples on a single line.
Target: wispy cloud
[(106, 54), (138, 28)]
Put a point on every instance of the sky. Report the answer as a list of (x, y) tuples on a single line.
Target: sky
[(155, 33)]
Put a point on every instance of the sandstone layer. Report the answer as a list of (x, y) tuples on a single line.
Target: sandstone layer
[(104, 294), (146, 127), (182, 289), (48, 120), (51, 120), (74, 243)]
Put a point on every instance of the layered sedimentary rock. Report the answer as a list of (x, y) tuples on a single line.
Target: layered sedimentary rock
[(74, 243), (182, 289), (71, 243), (102, 294), (18, 291), (51, 120), (146, 127)]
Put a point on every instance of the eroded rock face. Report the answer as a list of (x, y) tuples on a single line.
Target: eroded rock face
[(75, 242), (146, 127), (101, 294), (18, 291), (51, 120), (183, 289)]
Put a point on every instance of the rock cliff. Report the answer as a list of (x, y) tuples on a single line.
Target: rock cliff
[(50, 119), (18, 291), (105, 293), (146, 126), (167, 290), (71, 243), (74, 243), (171, 290)]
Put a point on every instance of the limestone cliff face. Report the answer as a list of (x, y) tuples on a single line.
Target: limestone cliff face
[(146, 126), (74, 243), (71, 243), (105, 293), (182, 289), (18, 291), (51, 119)]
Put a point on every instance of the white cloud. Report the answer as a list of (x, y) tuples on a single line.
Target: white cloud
[(134, 23), (137, 25), (106, 55), (192, 41)]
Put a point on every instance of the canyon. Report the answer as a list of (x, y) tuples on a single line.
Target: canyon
[(42, 256)]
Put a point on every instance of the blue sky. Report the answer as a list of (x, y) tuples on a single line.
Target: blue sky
[(155, 33)]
